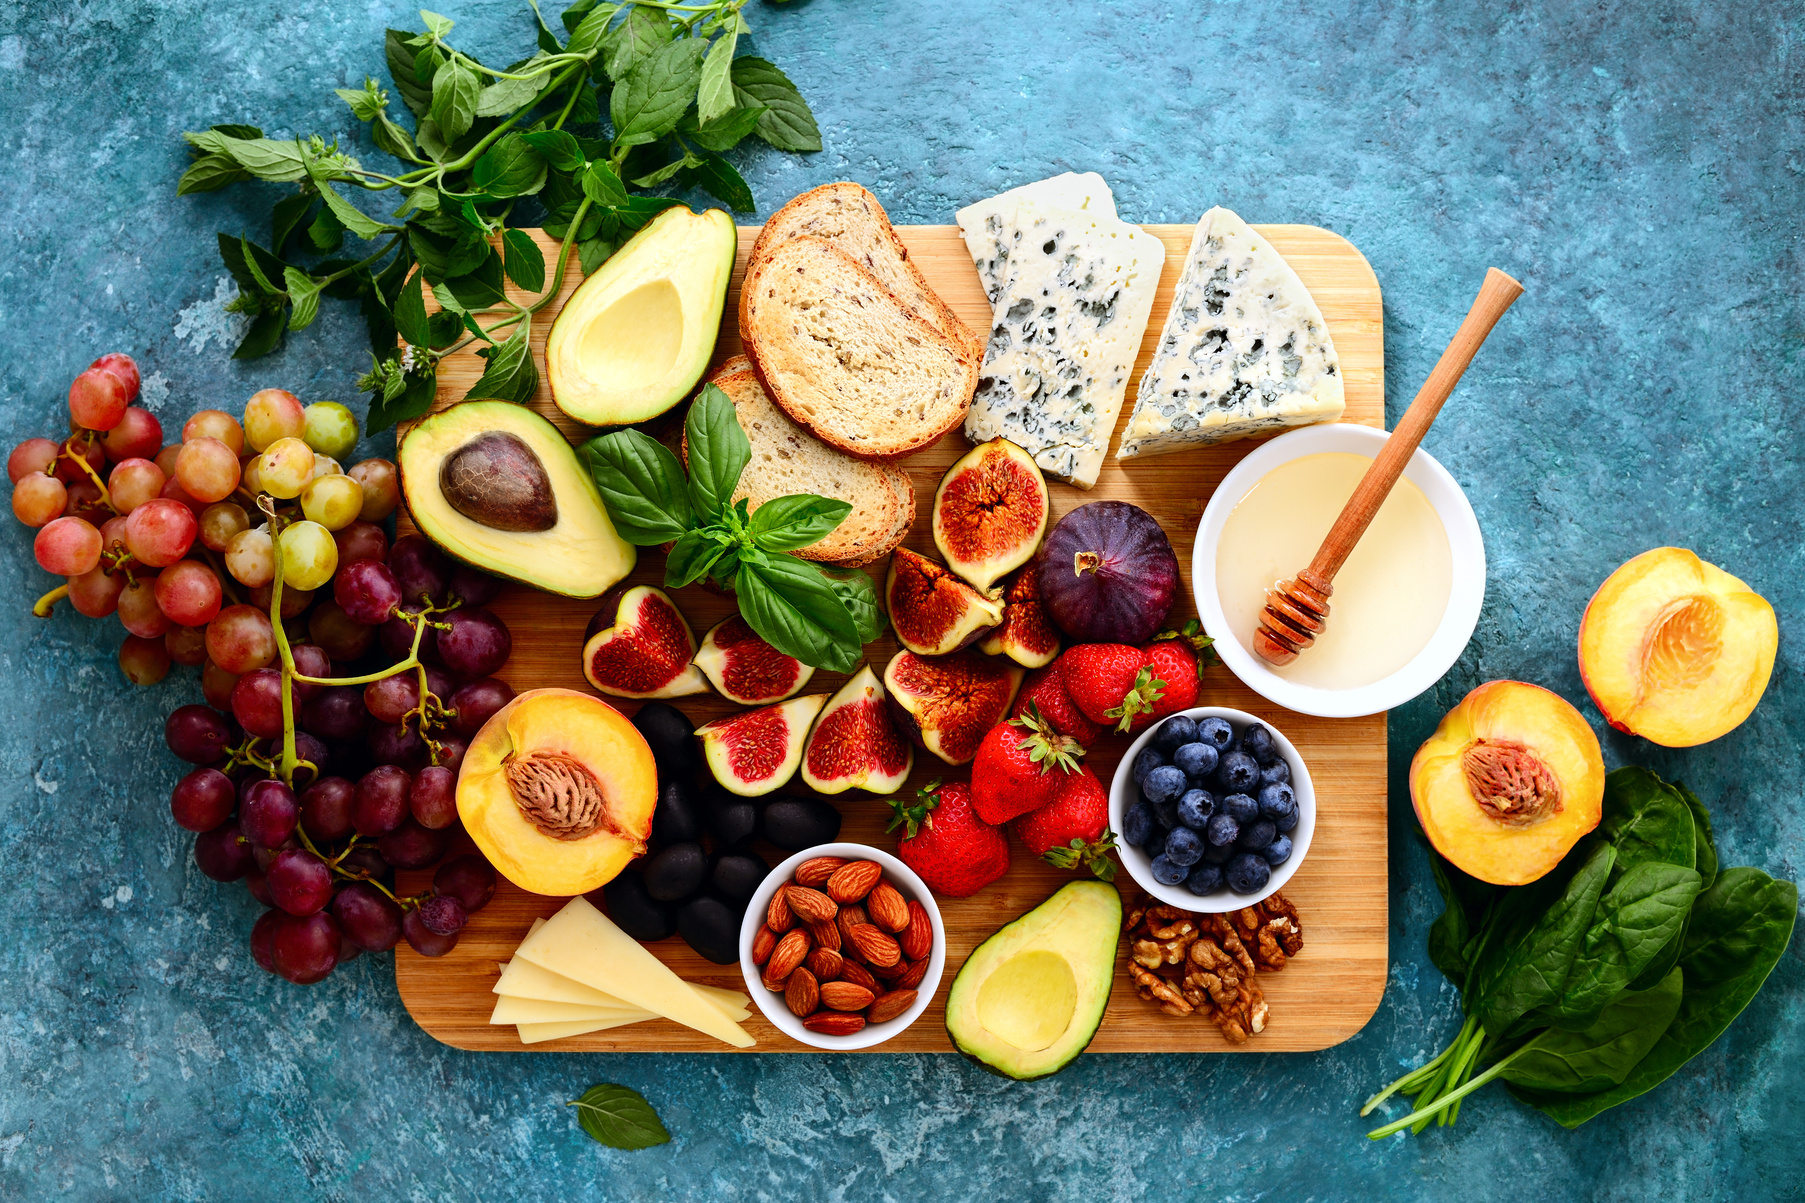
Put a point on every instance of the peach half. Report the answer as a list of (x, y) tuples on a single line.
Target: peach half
[(1676, 650), (1511, 779), (557, 790)]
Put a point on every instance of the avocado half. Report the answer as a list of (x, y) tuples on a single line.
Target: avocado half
[(497, 486), (636, 336), (1029, 999)]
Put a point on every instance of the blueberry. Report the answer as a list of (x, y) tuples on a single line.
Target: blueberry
[(1204, 879), (1195, 809), (1276, 773), (1198, 760), (1277, 852), (1184, 846), (1237, 772), (1164, 784), (1258, 743), (1257, 835), (1223, 830), (1175, 732), (1277, 798), (1144, 763), (1138, 824), (1168, 872), (1214, 854), (1216, 731), (1244, 809), (1248, 873)]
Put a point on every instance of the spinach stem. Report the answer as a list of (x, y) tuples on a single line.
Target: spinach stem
[(1427, 1113)]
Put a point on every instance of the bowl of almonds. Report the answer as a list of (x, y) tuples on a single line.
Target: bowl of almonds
[(842, 946)]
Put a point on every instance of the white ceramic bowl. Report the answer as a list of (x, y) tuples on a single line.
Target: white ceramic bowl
[(1124, 792), (898, 875), (1465, 544)]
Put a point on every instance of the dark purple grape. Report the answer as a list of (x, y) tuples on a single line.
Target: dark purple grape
[(443, 915), (314, 751), (263, 935), (361, 541), (257, 882), (311, 660), (422, 939), (351, 760), (347, 951), (257, 702), (269, 813), (262, 858), (411, 846), (223, 853), (420, 569), (476, 702), (336, 712), (475, 643), (305, 950), (388, 699), (198, 734), (433, 798), (204, 799), (300, 882), (367, 917), (440, 684), (326, 809), (399, 746), (366, 591), (469, 878), (397, 636), (451, 751), (379, 803), (329, 626), (473, 586), (365, 862)]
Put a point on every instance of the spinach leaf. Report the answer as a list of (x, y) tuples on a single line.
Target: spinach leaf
[(718, 451), (1646, 820), (1604, 1054), (797, 612), (1636, 919), (642, 485), (1706, 860), (796, 520), (1466, 901), (1530, 970)]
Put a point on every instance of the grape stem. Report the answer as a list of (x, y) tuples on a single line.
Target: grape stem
[(44, 605), (106, 498)]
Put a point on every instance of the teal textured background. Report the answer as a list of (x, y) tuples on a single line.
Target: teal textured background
[(1637, 163)]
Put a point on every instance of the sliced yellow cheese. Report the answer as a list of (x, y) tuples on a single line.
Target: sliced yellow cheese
[(534, 1010), (582, 944), (535, 1033), (523, 979)]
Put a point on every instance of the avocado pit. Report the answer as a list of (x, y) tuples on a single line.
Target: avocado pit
[(497, 480)]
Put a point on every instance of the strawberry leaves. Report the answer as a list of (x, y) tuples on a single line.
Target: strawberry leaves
[(1139, 699), (1044, 744), (914, 814), (1093, 855)]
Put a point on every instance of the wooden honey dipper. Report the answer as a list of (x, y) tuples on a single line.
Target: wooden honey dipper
[(1296, 611)]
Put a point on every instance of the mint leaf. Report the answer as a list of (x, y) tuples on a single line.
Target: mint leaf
[(557, 147), (635, 39), (455, 89), (509, 168), (642, 485), (718, 451), (796, 520), (619, 1118), (304, 295), (410, 314), (648, 103), (478, 289), (587, 26), (788, 124), (602, 186), (511, 374), (714, 92), (523, 260), (724, 133), (210, 173), (717, 177)]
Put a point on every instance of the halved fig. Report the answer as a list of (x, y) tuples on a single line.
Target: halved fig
[(744, 668), (638, 645), (855, 743), (947, 704), (755, 752), (933, 611), (990, 512), (1027, 635)]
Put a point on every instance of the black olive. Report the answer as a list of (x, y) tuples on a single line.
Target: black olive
[(797, 823), (678, 818), (709, 926), (671, 735), (731, 819), (737, 874), (636, 912), (675, 873)]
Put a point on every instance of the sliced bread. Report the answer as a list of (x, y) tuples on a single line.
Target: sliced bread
[(788, 459), (848, 216), (844, 357)]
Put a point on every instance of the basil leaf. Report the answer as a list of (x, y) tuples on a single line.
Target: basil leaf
[(859, 596), (796, 520), (718, 451), (690, 558), (647, 104), (787, 123), (523, 260), (635, 39), (714, 91), (410, 314), (455, 89), (619, 1118), (509, 168), (717, 177), (304, 295), (642, 485), (602, 186), (726, 132), (793, 607), (511, 374)]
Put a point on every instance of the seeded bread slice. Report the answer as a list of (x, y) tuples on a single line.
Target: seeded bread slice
[(788, 459), (848, 216), (844, 357)]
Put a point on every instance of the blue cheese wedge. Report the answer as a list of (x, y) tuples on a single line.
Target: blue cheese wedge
[(1245, 350), (1063, 337), (984, 224)]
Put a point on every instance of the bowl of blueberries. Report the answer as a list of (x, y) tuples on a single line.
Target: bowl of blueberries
[(1214, 809)]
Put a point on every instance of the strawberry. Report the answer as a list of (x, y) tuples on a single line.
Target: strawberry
[(1112, 683), (945, 841), (1073, 829), (1179, 658), (1045, 689), (1021, 765)]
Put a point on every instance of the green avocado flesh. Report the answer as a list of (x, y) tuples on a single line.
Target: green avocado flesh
[(497, 486), (1029, 999), (635, 337)]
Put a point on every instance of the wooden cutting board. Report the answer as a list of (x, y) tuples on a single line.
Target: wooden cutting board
[(1323, 997)]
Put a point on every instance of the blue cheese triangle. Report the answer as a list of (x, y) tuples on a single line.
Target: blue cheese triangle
[(1245, 350), (984, 224), (1064, 335)]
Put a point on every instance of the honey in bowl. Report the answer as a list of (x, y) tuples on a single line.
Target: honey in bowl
[(1390, 595)]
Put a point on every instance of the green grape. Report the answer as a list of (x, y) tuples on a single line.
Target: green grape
[(250, 557), (324, 465), (332, 501), (330, 429), (309, 555), (285, 468)]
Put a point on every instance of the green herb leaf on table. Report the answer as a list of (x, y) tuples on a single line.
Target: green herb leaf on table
[(619, 1118), (523, 260), (509, 168), (694, 554), (647, 104), (410, 314), (859, 596), (717, 177), (787, 123), (511, 374), (643, 486), (714, 90), (637, 38), (455, 89), (792, 606), (303, 295), (603, 186), (797, 520), (718, 450)]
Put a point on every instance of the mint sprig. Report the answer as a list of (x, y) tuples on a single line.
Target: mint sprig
[(619, 1117)]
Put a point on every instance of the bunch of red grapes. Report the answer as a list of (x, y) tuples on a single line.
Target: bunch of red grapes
[(336, 718)]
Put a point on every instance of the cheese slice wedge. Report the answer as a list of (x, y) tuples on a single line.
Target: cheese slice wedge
[(984, 224), (523, 979), (537, 1010), (537, 1033), (582, 944)]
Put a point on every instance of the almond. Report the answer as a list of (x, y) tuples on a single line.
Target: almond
[(826, 935), (762, 944), (872, 946), (887, 908), (912, 979), (778, 917), (889, 1005), (809, 904), (917, 938), (854, 880), (850, 917), (834, 1023), (845, 996), (825, 963), (786, 956), (815, 871), (858, 975), (801, 995), (890, 973)]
